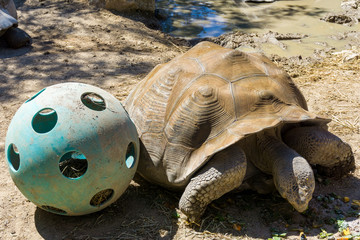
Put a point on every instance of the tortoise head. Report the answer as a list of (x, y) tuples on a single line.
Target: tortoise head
[(296, 183)]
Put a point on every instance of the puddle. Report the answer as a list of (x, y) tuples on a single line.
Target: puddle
[(198, 19)]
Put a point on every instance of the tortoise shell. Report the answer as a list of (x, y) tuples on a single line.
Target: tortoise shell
[(204, 101)]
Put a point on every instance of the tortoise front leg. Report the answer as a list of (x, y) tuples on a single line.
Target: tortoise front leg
[(224, 172), (332, 156)]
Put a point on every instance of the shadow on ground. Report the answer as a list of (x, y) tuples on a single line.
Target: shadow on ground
[(142, 212), (6, 52), (146, 211), (75, 42)]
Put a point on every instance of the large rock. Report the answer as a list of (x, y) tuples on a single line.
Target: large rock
[(125, 5), (350, 14)]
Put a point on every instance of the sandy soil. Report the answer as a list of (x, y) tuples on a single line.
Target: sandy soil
[(74, 42)]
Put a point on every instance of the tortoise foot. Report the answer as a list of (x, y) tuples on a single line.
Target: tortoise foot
[(338, 170)]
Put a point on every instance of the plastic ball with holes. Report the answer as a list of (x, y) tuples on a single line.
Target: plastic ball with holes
[(72, 149)]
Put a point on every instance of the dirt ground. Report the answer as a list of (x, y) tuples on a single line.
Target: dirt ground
[(73, 42)]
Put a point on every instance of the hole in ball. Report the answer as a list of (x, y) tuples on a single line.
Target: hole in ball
[(54, 210), (93, 101), (101, 197), (130, 155), (14, 157), (44, 120), (73, 164), (32, 98)]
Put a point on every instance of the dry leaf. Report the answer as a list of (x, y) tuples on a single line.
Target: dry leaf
[(237, 227)]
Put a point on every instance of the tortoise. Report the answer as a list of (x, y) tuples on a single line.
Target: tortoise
[(208, 117), (14, 36)]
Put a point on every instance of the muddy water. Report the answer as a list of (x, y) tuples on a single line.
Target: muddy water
[(196, 18)]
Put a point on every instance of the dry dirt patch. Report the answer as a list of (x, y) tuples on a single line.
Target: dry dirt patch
[(74, 42)]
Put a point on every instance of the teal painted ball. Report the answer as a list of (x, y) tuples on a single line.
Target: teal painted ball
[(72, 149)]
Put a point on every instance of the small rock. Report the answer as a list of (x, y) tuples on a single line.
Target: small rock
[(125, 5), (260, 1), (348, 55), (351, 4), (163, 233), (337, 18)]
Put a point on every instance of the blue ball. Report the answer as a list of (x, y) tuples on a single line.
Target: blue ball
[(72, 149)]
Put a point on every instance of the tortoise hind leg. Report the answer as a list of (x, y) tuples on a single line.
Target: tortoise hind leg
[(224, 172), (330, 154)]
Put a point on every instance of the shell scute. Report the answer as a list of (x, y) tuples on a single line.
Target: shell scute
[(227, 66)]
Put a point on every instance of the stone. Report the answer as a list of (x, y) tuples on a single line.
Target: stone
[(350, 4), (125, 5)]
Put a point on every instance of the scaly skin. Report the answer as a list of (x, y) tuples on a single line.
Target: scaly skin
[(224, 172), (332, 156), (292, 173), (293, 176)]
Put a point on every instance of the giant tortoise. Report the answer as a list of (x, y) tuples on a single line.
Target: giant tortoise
[(14, 36), (210, 114)]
